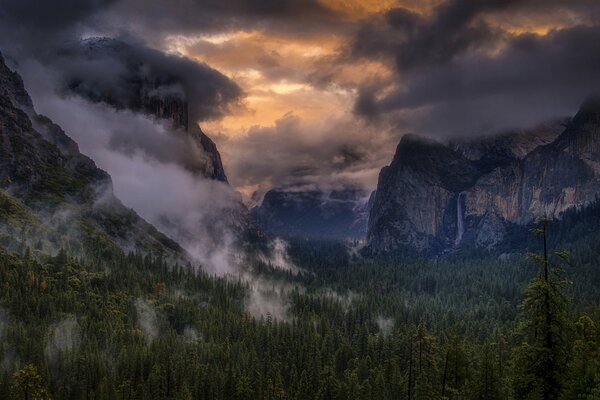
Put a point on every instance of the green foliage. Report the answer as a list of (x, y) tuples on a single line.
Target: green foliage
[(27, 385), (583, 380), (116, 326), (541, 356), (13, 213)]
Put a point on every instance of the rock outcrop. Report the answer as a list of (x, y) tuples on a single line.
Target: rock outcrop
[(133, 82), (433, 198)]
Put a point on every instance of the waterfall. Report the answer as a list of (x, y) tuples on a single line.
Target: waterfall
[(460, 226)]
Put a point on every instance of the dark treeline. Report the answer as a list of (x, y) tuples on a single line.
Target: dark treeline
[(131, 327)]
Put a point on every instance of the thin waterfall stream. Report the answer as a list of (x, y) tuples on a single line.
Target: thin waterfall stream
[(460, 226)]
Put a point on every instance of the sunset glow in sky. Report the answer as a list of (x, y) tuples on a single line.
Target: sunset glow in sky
[(327, 87)]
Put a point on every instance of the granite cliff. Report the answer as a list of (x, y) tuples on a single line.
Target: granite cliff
[(435, 197), (135, 80), (168, 89)]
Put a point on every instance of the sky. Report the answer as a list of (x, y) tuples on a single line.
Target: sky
[(317, 93)]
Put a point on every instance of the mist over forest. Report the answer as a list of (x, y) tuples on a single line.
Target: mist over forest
[(300, 200)]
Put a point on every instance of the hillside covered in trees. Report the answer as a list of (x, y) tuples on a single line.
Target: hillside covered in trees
[(132, 327), (299, 200)]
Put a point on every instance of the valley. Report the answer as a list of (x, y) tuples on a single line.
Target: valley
[(299, 200)]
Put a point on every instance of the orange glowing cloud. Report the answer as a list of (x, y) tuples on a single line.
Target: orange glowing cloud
[(357, 9), (314, 75), (280, 75)]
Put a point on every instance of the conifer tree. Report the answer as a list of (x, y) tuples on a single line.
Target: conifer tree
[(423, 369), (540, 357), (27, 384), (584, 368), (487, 382)]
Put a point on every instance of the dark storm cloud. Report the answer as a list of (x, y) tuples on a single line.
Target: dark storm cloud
[(288, 9), (459, 75), (49, 15), (107, 70), (533, 78), (324, 154), (413, 40), (563, 59), (115, 72), (154, 18), (450, 31), (453, 28), (40, 23), (31, 24), (44, 30)]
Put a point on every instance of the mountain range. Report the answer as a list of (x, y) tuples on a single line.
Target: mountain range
[(334, 214), (432, 199)]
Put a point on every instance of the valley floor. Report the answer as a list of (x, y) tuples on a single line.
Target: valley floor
[(131, 327)]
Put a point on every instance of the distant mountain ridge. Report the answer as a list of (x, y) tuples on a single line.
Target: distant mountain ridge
[(336, 214), (433, 197)]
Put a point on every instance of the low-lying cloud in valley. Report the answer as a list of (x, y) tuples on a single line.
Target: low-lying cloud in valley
[(297, 94), (63, 336), (150, 174), (143, 156), (330, 154)]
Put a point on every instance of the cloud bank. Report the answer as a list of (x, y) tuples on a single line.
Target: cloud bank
[(327, 86), (465, 70)]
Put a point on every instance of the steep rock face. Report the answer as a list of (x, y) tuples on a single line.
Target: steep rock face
[(413, 194), (143, 81), (566, 172), (314, 213), (43, 174), (214, 166), (133, 84), (433, 198)]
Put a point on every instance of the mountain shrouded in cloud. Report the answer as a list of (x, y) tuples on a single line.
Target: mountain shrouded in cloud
[(328, 86), (299, 199), (114, 71), (480, 193)]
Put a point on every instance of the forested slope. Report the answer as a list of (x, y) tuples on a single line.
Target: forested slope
[(132, 327)]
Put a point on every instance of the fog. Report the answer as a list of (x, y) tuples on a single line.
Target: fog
[(63, 336)]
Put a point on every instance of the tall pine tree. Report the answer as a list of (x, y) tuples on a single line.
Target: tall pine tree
[(540, 357)]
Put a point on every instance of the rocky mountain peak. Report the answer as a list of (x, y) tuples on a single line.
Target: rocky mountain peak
[(411, 143), (11, 86), (214, 169), (136, 80), (435, 197), (502, 148), (433, 162), (589, 112), (582, 133)]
